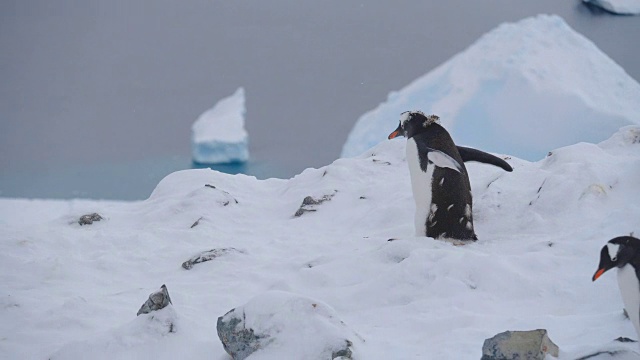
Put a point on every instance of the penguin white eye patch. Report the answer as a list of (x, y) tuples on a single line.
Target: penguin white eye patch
[(613, 250)]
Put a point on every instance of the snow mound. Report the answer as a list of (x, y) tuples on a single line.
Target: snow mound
[(540, 230), (218, 135), (522, 89), (292, 327), (148, 336), (622, 7)]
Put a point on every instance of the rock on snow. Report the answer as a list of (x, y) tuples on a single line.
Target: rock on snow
[(622, 7), (522, 89), (218, 135)]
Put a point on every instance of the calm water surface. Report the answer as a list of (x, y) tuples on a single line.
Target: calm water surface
[(97, 98)]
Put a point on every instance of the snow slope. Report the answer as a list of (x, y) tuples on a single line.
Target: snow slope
[(218, 135), (70, 291), (522, 89), (622, 7)]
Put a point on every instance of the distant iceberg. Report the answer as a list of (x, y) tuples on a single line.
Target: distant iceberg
[(219, 136), (522, 89), (622, 7)]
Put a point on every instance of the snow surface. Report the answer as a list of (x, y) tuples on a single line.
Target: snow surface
[(218, 135), (623, 7), (522, 89), (69, 291)]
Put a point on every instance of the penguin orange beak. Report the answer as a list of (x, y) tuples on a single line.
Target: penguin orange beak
[(598, 274), (397, 132), (605, 264)]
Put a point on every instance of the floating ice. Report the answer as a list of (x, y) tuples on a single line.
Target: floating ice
[(218, 136), (622, 7), (523, 89)]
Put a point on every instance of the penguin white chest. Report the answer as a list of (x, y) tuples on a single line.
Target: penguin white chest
[(421, 183), (630, 291)]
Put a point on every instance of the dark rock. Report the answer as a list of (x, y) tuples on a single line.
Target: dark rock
[(624, 340), (380, 161), (308, 204), (523, 345), (157, 300), (206, 256), (345, 353), (608, 354), (196, 223), (89, 219), (239, 342)]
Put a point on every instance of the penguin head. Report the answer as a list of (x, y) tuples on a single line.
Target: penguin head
[(413, 122), (618, 252)]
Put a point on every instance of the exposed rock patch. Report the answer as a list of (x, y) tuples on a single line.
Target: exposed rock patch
[(156, 301), (207, 256), (525, 345), (310, 204), (89, 219)]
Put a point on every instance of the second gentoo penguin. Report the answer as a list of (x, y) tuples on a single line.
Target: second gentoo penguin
[(623, 253), (439, 179)]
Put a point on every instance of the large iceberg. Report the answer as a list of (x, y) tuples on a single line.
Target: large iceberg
[(219, 136), (622, 7), (524, 88)]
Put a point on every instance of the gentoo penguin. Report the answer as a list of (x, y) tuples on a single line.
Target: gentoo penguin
[(623, 252), (439, 179)]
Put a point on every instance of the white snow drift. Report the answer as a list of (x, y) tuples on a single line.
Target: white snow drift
[(219, 136), (71, 291), (522, 89)]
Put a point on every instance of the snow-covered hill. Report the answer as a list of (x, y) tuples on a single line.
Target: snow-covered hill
[(523, 89), (69, 291)]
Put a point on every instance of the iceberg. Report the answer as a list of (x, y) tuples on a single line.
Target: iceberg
[(218, 135), (523, 89), (621, 7)]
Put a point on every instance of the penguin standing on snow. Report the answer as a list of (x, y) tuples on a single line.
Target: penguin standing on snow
[(624, 253), (439, 179)]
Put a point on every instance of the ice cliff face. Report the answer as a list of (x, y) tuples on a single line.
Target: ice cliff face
[(524, 88), (622, 7), (218, 135)]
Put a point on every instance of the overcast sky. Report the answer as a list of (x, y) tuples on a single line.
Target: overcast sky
[(103, 81)]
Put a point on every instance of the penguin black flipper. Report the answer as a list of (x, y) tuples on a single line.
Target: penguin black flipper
[(470, 154)]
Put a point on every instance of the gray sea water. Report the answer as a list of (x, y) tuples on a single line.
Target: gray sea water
[(97, 98)]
